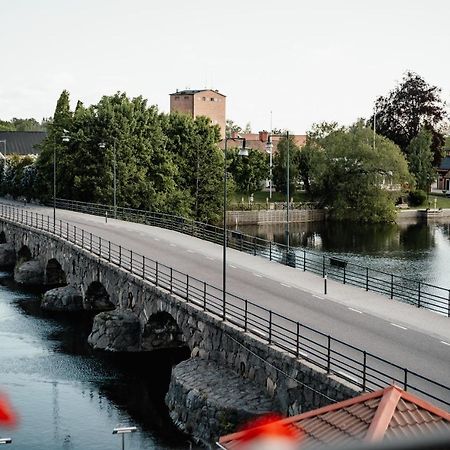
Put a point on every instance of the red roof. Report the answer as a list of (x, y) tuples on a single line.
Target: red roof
[(387, 414)]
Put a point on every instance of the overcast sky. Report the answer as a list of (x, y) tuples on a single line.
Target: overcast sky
[(307, 61)]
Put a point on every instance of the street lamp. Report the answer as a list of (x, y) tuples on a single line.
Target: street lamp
[(5, 441), (243, 151), (65, 138), (123, 431), (102, 145), (269, 148)]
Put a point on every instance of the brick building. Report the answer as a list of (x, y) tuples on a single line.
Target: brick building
[(202, 102)]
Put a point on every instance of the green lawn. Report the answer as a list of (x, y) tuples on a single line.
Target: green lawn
[(441, 202)]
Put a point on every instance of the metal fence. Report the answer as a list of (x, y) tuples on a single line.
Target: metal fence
[(347, 362), (414, 292)]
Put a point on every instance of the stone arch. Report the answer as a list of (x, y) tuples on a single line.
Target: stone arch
[(97, 298), (23, 255), (162, 332), (54, 273), (2, 237)]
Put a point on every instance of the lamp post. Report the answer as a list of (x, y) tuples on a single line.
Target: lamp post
[(243, 151), (269, 148), (123, 431), (102, 145), (65, 138)]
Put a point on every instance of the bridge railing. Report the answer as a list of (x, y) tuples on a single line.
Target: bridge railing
[(414, 292), (345, 361)]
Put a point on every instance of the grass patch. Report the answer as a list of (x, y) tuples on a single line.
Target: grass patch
[(441, 202)]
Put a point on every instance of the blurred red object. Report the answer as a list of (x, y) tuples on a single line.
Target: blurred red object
[(8, 417), (270, 432)]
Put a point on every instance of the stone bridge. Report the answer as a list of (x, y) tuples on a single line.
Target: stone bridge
[(230, 377)]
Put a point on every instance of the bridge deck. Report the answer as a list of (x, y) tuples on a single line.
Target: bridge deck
[(413, 338)]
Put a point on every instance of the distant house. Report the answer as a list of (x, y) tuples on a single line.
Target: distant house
[(387, 415), (21, 142), (443, 171)]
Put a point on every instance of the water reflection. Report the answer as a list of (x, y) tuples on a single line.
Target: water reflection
[(415, 250), (70, 397)]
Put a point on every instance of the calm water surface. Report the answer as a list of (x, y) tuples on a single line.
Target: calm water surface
[(69, 397), (415, 250)]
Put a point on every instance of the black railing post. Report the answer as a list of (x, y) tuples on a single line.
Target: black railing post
[(109, 251), (99, 246), (171, 280), (344, 275), (245, 315), (90, 242), (82, 238), (329, 355), (120, 256), (405, 379), (392, 286), (364, 370), (367, 278), (60, 228), (204, 296), (448, 307), (270, 327), (143, 267), (67, 230), (323, 266), (304, 260), (270, 251), (187, 288), (418, 295), (297, 346), (131, 261), (157, 275)]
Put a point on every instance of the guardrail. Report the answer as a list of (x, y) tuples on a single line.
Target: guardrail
[(347, 362), (416, 293)]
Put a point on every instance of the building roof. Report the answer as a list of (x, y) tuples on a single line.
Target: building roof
[(445, 163), (196, 91), (388, 414), (21, 142)]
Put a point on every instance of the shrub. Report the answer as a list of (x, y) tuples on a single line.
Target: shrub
[(416, 198)]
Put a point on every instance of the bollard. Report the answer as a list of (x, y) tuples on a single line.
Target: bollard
[(325, 284), (106, 217)]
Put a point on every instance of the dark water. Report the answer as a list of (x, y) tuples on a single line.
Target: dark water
[(69, 397), (415, 250)]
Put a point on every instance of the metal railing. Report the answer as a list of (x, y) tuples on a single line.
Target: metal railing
[(416, 293), (347, 362)]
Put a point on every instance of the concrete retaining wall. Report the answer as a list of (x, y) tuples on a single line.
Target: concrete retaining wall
[(271, 216)]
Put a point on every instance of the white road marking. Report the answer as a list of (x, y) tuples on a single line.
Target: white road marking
[(346, 375), (233, 267), (156, 239), (172, 245), (210, 258), (445, 343), (190, 251), (285, 285), (398, 326), (257, 275), (317, 296), (355, 310)]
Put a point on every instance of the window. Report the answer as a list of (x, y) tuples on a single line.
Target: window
[(204, 99), (213, 99), (177, 97), (186, 97)]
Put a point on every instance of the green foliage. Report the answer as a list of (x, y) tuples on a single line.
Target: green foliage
[(280, 159), (22, 125), (416, 198), (420, 158), (410, 107), (231, 128), (248, 171), (18, 175), (354, 180)]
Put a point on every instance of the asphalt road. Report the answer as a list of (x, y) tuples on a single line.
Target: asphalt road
[(412, 338)]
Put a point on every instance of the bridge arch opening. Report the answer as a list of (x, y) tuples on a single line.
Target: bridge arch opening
[(54, 273), (23, 255), (2, 237), (97, 298), (162, 332)]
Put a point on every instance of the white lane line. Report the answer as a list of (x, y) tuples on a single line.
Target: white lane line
[(156, 239), (210, 258), (172, 245), (190, 251), (398, 326), (231, 265), (257, 275), (317, 296), (346, 375), (445, 343), (355, 310), (285, 285)]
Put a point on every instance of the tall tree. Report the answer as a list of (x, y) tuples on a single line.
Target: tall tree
[(420, 158), (407, 109), (248, 172), (279, 171)]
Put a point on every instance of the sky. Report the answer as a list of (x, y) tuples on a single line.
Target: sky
[(306, 61)]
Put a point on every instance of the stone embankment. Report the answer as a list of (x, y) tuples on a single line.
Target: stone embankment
[(65, 299), (207, 400)]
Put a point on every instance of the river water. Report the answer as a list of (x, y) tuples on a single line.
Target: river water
[(418, 251), (69, 397)]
